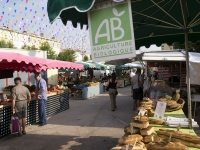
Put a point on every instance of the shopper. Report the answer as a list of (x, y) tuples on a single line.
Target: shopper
[(113, 84), (130, 79), (137, 82), (21, 99), (41, 96)]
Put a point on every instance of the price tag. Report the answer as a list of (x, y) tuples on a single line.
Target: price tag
[(160, 110)]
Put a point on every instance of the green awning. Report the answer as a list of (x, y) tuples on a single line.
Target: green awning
[(86, 65), (154, 21), (98, 66), (126, 67), (76, 8)]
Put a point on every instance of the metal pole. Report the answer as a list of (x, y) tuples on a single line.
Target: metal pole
[(185, 19), (188, 80), (82, 49), (180, 74)]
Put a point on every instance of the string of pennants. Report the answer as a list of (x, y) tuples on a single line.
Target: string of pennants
[(31, 16)]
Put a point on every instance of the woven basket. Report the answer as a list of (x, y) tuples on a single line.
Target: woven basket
[(181, 102)]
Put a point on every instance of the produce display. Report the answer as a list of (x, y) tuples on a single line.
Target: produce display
[(90, 83)]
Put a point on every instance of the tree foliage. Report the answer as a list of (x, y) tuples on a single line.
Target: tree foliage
[(67, 55), (26, 47), (85, 58), (4, 44), (10, 44), (51, 54), (192, 47)]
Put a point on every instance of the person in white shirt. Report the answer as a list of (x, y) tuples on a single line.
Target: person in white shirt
[(137, 82), (132, 74)]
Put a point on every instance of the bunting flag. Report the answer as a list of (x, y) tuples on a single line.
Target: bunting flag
[(31, 16)]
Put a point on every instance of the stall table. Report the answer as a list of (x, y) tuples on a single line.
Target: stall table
[(180, 114), (56, 103)]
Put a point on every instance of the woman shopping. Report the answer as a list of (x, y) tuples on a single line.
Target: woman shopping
[(112, 86)]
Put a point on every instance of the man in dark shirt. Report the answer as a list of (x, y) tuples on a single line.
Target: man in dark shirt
[(20, 96)]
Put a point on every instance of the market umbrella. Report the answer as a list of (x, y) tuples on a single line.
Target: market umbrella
[(127, 67), (98, 66), (86, 65), (154, 21)]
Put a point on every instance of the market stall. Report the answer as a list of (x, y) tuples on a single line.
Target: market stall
[(123, 73), (58, 97)]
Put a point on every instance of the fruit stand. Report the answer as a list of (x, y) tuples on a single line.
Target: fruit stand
[(125, 81)]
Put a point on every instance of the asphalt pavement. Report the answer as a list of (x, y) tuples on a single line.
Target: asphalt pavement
[(87, 125)]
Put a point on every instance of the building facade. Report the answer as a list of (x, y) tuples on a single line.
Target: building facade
[(19, 39), (166, 47)]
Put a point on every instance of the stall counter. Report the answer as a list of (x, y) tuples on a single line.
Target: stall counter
[(56, 103)]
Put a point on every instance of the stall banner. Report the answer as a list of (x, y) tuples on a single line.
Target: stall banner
[(111, 31), (160, 110)]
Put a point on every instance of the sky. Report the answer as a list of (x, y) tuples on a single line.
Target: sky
[(31, 16)]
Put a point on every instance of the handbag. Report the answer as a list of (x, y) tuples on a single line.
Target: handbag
[(116, 92), (107, 88), (139, 85), (14, 124)]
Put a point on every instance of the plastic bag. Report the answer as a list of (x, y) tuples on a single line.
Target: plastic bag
[(14, 124)]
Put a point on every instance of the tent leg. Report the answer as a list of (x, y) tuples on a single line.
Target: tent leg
[(188, 81)]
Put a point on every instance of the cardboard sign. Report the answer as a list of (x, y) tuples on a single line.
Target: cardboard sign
[(160, 110), (111, 31)]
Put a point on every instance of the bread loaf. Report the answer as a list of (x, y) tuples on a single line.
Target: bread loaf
[(148, 131), (139, 124), (138, 146), (130, 139), (171, 102), (148, 139), (154, 121), (166, 146), (184, 142), (143, 119), (176, 96), (180, 135), (174, 106), (163, 99), (146, 99), (147, 107), (150, 113), (127, 130)]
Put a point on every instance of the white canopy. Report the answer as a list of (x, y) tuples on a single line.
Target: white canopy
[(164, 55), (194, 63), (178, 55)]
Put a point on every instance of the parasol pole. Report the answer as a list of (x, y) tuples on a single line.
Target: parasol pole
[(185, 17), (188, 80)]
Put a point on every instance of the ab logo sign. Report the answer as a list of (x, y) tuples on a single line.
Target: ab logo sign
[(111, 31)]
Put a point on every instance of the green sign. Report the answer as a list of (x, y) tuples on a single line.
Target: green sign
[(111, 31)]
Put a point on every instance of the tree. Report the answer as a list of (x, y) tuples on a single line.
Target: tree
[(192, 47), (3, 44), (10, 44), (67, 55), (26, 47), (33, 47), (85, 58), (45, 46)]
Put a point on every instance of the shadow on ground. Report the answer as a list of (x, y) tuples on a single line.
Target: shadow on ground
[(56, 142)]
